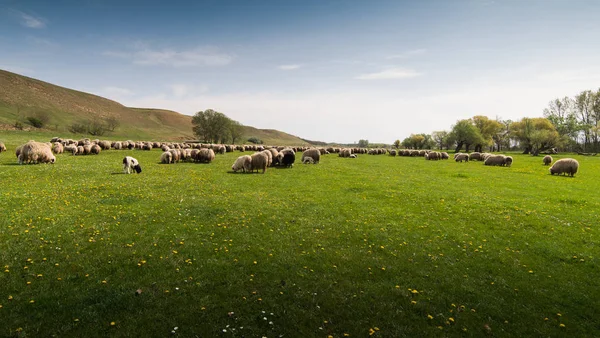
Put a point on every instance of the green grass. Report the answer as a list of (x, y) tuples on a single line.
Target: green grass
[(346, 246)]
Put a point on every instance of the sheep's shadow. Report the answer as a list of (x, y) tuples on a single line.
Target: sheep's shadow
[(243, 173)]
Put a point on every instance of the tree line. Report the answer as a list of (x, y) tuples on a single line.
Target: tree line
[(571, 124)]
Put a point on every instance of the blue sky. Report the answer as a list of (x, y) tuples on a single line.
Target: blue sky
[(323, 70)]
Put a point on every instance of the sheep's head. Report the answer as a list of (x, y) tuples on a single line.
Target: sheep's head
[(138, 169)]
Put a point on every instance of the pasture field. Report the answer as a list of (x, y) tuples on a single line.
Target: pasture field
[(378, 245)]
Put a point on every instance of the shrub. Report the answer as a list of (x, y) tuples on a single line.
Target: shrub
[(35, 121), (78, 128), (255, 140), (18, 125)]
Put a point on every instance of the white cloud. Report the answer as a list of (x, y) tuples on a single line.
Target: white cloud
[(30, 20), (201, 56), (289, 67), (392, 73), (185, 90), (407, 54)]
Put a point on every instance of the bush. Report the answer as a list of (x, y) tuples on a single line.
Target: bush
[(255, 140), (18, 125), (78, 128), (36, 122)]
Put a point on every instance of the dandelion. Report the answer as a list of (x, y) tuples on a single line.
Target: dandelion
[(429, 316), (112, 324), (561, 325)]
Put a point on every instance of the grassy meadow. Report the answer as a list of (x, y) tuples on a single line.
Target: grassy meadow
[(378, 245)]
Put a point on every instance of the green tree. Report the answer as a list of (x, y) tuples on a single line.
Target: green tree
[(487, 129), (397, 144), (535, 135), (465, 134), (235, 130), (440, 137), (210, 126), (363, 143)]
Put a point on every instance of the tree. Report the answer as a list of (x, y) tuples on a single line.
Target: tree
[(235, 130), (535, 134), (465, 133), (502, 136), (487, 129), (440, 137), (111, 123), (210, 126), (584, 107), (363, 143), (397, 144)]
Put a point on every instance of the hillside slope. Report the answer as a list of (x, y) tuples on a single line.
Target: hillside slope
[(22, 97)]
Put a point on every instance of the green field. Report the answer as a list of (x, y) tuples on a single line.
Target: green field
[(378, 245)]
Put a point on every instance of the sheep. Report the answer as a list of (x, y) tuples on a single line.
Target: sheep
[(432, 156), (130, 163), (118, 145), (547, 160), (475, 156), (80, 150), (259, 161), (87, 149), (287, 157), (346, 152), (308, 160), (508, 161), (105, 145), (494, 160), (176, 155), (58, 148), (269, 157), (484, 156), (205, 155), (312, 153), (444, 156), (275, 156), (35, 152), (95, 149), (461, 157), (243, 163), (2, 147), (166, 157), (71, 148), (563, 166)]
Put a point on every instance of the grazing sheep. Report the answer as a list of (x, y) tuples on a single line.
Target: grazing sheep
[(71, 148), (80, 150), (205, 155), (243, 163), (166, 158), (275, 156), (433, 156), (508, 161), (176, 155), (58, 148), (563, 166), (129, 164), (444, 156), (495, 160), (308, 160), (547, 160), (2, 147), (87, 149), (313, 154), (95, 149), (475, 156), (484, 156), (346, 152), (287, 157), (259, 161), (269, 157), (105, 145), (35, 152), (118, 145), (461, 157)]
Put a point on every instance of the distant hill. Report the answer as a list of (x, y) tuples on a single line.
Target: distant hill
[(22, 97)]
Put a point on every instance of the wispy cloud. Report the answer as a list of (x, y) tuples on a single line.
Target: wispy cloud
[(30, 21), (201, 56), (407, 54), (388, 74), (289, 67)]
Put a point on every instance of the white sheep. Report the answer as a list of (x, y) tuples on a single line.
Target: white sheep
[(547, 160), (563, 166), (312, 153), (243, 163)]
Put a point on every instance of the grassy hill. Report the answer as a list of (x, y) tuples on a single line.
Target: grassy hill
[(22, 97)]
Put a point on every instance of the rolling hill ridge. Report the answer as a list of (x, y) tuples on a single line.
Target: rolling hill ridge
[(22, 97)]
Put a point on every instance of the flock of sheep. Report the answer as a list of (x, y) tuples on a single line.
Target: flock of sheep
[(265, 156)]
